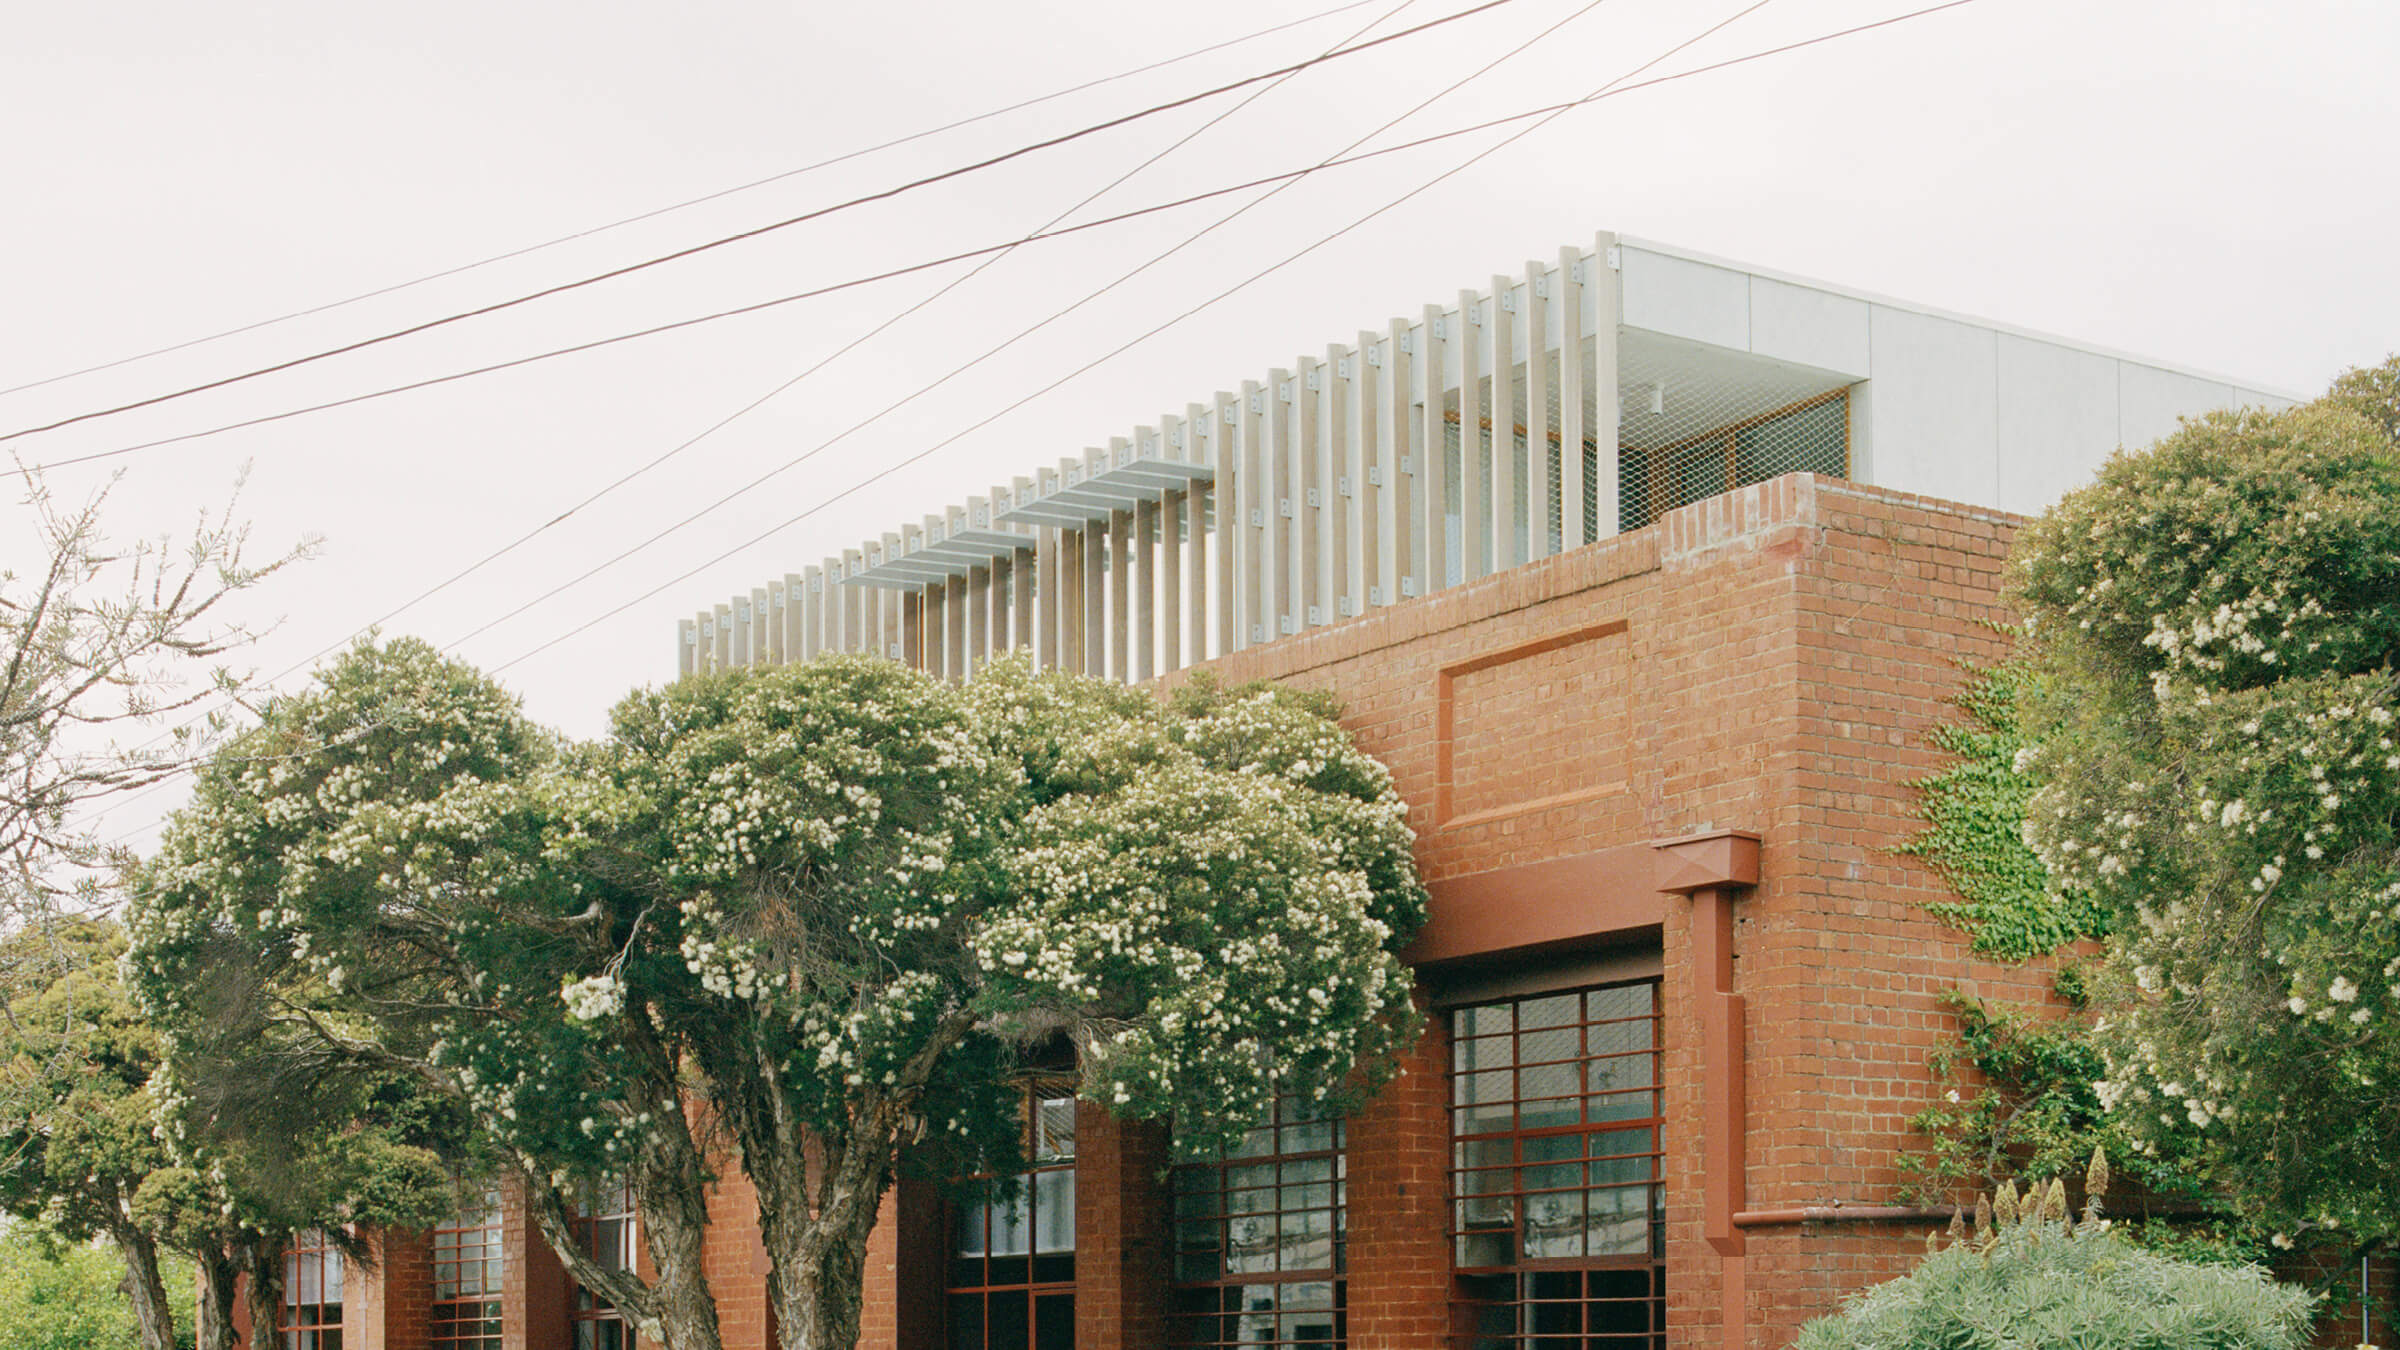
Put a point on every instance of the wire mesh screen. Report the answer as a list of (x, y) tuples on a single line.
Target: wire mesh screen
[(1812, 436), (1693, 422), (1680, 441)]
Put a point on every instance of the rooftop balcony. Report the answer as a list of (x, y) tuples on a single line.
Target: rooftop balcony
[(1441, 449)]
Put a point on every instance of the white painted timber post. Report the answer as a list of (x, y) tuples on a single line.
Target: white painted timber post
[(1605, 284), (1474, 513), (1362, 508), (1395, 532), (1232, 491), (1433, 479), (1333, 487), (1572, 489), (1541, 483), (1501, 342)]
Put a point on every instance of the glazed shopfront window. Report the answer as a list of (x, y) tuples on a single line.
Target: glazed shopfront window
[(1012, 1257), (467, 1270), (1557, 1209), (1258, 1237)]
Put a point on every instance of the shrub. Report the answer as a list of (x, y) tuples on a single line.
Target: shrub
[(2028, 1278)]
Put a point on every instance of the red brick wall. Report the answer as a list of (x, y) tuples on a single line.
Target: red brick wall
[(389, 1306), (1769, 661), (534, 1291), (736, 1262), (1788, 645), (1399, 1205), (1122, 1230)]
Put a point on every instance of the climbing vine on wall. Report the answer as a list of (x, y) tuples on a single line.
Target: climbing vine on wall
[(1974, 810)]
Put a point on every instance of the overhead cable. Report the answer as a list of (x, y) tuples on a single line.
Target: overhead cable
[(1543, 112), (689, 202), (819, 213), (1612, 89)]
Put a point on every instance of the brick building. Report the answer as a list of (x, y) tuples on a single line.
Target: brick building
[(1658, 753)]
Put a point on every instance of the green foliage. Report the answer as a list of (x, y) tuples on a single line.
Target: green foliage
[(2027, 1273), (77, 1144), (2373, 392), (2214, 631), (2029, 1107), (829, 909), (63, 1296), (1974, 834), (2044, 1282)]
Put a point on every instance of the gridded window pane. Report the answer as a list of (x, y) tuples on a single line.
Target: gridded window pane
[(310, 1315), (467, 1276), (1258, 1238), (1012, 1267), (606, 1226), (1557, 1211)]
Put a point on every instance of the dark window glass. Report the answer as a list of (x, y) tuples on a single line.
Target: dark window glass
[(466, 1278), (607, 1230)]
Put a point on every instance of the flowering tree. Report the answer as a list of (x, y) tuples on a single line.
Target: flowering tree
[(2214, 630), (821, 913)]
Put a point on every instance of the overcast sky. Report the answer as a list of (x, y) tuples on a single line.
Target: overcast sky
[(2209, 184)]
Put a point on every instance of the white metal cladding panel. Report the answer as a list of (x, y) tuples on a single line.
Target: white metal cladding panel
[(1687, 299), (1809, 327), (2058, 420), (2151, 400), (1935, 411)]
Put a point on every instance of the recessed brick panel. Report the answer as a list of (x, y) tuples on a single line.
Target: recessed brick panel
[(1540, 724)]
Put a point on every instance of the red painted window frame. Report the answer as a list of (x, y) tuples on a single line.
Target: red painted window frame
[(1506, 1292)]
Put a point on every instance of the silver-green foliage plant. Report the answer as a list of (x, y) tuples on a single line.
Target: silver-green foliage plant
[(2215, 625), (809, 922), (2026, 1277)]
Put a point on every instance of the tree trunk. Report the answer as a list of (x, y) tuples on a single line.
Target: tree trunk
[(145, 1291), (819, 1309), (263, 1263), (818, 1250), (217, 1286), (674, 1227)]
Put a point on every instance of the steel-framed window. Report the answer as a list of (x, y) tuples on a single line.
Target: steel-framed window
[(1012, 1261), (607, 1230), (1557, 1202), (467, 1272), (310, 1314), (1258, 1237)]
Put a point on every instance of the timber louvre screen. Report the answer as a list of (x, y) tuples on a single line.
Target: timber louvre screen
[(1519, 422), (1558, 1202)]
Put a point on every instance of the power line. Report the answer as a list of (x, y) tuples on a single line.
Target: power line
[(819, 213), (1544, 111), (1548, 112), (690, 202), (493, 556), (1613, 89), (961, 369)]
